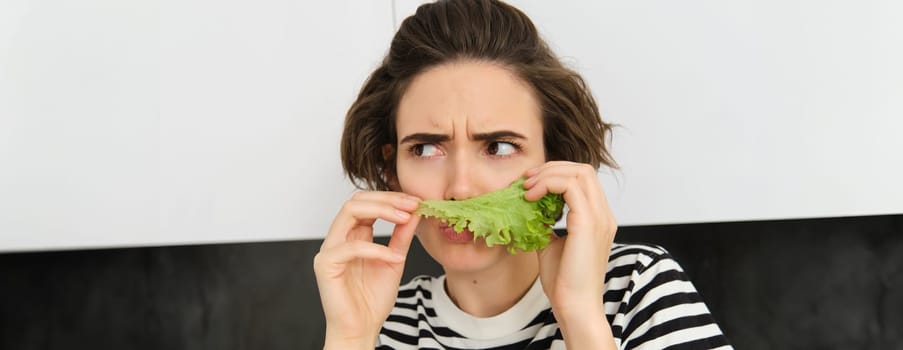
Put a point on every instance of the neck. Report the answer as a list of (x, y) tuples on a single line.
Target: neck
[(490, 292)]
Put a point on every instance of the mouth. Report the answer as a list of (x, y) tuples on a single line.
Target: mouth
[(450, 235)]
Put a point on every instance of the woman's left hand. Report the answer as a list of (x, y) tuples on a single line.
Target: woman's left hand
[(572, 268)]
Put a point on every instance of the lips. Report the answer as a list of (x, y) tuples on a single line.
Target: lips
[(450, 235)]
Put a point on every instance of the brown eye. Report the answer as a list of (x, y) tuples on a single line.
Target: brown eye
[(424, 150), (499, 148)]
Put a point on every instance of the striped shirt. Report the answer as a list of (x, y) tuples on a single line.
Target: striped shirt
[(648, 299)]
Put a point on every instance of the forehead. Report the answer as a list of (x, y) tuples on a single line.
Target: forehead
[(480, 96)]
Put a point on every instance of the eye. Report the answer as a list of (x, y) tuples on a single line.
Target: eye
[(425, 150), (499, 148)]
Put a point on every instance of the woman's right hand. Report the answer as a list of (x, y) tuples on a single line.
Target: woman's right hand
[(357, 278)]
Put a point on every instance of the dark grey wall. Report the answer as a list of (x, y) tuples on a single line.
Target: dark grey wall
[(814, 284), (799, 284)]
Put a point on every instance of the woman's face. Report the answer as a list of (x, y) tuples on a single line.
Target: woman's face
[(465, 129)]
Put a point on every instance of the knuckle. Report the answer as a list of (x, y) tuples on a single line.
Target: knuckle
[(318, 261), (347, 205)]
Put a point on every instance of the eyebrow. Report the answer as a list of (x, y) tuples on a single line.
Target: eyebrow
[(438, 138), (495, 135), (422, 137)]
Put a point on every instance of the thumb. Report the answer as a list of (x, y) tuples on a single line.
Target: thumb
[(402, 235)]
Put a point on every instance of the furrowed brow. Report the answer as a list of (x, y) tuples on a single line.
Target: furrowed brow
[(495, 135), (424, 138)]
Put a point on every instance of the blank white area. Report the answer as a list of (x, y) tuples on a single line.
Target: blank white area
[(126, 123), (740, 110), (131, 123)]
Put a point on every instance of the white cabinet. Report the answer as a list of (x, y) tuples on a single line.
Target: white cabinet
[(740, 110), (173, 122), (130, 123)]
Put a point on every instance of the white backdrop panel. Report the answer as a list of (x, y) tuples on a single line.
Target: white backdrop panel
[(740, 110), (126, 123), (174, 122)]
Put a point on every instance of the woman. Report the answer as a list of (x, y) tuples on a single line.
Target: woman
[(468, 100)]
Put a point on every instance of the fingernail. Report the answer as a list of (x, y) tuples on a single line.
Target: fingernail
[(410, 202), (403, 215)]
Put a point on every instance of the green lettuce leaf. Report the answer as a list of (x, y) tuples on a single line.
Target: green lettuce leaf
[(501, 217)]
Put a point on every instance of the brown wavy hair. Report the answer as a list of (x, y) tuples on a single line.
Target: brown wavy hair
[(471, 30)]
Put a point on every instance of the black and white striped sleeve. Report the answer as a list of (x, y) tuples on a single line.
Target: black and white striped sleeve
[(664, 310)]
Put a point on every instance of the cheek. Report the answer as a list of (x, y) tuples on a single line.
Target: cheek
[(419, 182)]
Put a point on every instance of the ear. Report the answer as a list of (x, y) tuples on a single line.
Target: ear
[(388, 152), (389, 169)]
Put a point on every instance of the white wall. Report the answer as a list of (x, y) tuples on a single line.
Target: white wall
[(740, 110), (170, 122), (126, 123)]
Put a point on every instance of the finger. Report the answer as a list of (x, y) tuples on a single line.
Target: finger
[(598, 202), (587, 179), (399, 199), (564, 169), (564, 180), (332, 261), (555, 163), (580, 213), (579, 187), (402, 236), (589, 219), (363, 210)]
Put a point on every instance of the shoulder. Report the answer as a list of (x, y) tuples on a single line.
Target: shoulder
[(632, 267), (641, 267), (637, 258), (638, 248), (652, 303)]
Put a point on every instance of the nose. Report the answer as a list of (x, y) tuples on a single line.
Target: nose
[(461, 183)]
